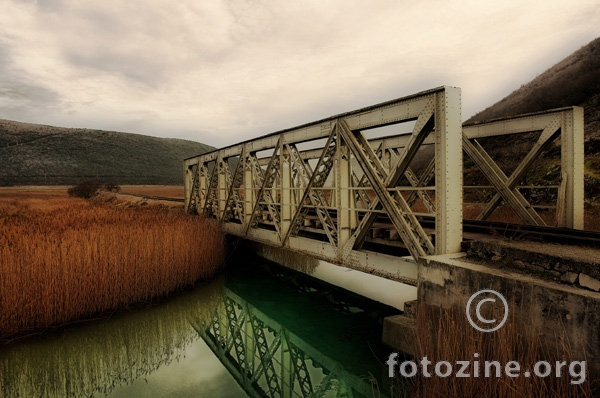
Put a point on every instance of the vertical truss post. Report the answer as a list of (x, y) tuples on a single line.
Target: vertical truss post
[(188, 182), (448, 171), (345, 194), (286, 191), (274, 191), (334, 189), (203, 185), (572, 163), (249, 195), (222, 186)]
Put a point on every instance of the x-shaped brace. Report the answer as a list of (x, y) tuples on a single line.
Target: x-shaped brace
[(407, 225), (506, 186)]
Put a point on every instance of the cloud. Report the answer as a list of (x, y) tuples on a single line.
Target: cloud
[(223, 71), (20, 96)]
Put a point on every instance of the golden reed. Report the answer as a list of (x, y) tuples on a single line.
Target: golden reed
[(445, 335), (63, 259)]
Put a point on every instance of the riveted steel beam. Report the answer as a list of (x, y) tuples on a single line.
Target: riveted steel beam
[(317, 180), (396, 207), (566, 123), (310, 169), (317, 197)]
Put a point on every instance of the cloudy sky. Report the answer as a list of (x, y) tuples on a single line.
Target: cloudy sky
[(221, 71)]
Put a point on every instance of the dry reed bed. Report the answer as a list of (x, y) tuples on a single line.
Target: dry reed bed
[(446, 336), (63, 259), (95, 358)]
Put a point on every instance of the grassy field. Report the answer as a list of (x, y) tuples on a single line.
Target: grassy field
[(63, 259)]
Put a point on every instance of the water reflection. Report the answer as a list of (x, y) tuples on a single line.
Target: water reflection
[(280, 334), (275, 331), (98, 357)]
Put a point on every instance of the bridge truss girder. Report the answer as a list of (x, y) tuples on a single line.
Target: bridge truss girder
[(566, 125), (282, 183), (350, 180)]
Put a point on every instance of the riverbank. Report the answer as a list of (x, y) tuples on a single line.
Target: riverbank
[(65, 259)]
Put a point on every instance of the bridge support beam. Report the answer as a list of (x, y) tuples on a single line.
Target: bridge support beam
[(448, 173), (287, 197), (345, 197)]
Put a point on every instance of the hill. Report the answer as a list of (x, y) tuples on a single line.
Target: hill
[(32, 154), (573, 81)]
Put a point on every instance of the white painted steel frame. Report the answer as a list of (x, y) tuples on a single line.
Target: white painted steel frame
[(279, 189), (275, 190), (566, 123)]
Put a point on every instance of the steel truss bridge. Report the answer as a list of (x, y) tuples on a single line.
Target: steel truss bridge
[(390, 175)]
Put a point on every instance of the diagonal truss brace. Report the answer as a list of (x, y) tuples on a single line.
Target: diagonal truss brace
[(211, 195), (266, 354), (316, 196), (265, 181), (301, 373), (360, 194), (407, 225), (233, 201), (317, 180), (194, 201), (425, 178), (235, 326), (548, 135)]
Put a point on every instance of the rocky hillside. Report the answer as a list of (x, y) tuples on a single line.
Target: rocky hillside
[(32, 154), (573, 81)]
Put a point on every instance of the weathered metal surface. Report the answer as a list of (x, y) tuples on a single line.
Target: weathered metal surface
[(566, 123), (328, 187), (281, 183)]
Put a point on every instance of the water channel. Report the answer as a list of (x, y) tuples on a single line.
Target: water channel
[(257, 330)]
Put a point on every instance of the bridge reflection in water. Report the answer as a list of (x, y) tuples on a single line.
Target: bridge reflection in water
[(290, 336)]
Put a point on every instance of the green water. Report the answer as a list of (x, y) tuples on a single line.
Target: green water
[(256, 330)]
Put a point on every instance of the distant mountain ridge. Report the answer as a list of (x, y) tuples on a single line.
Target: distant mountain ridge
[(33, 154), (573, 81)]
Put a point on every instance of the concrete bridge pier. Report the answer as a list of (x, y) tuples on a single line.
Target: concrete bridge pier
[(552, 292)]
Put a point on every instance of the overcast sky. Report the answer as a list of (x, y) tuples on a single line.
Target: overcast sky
[(221, 71)]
